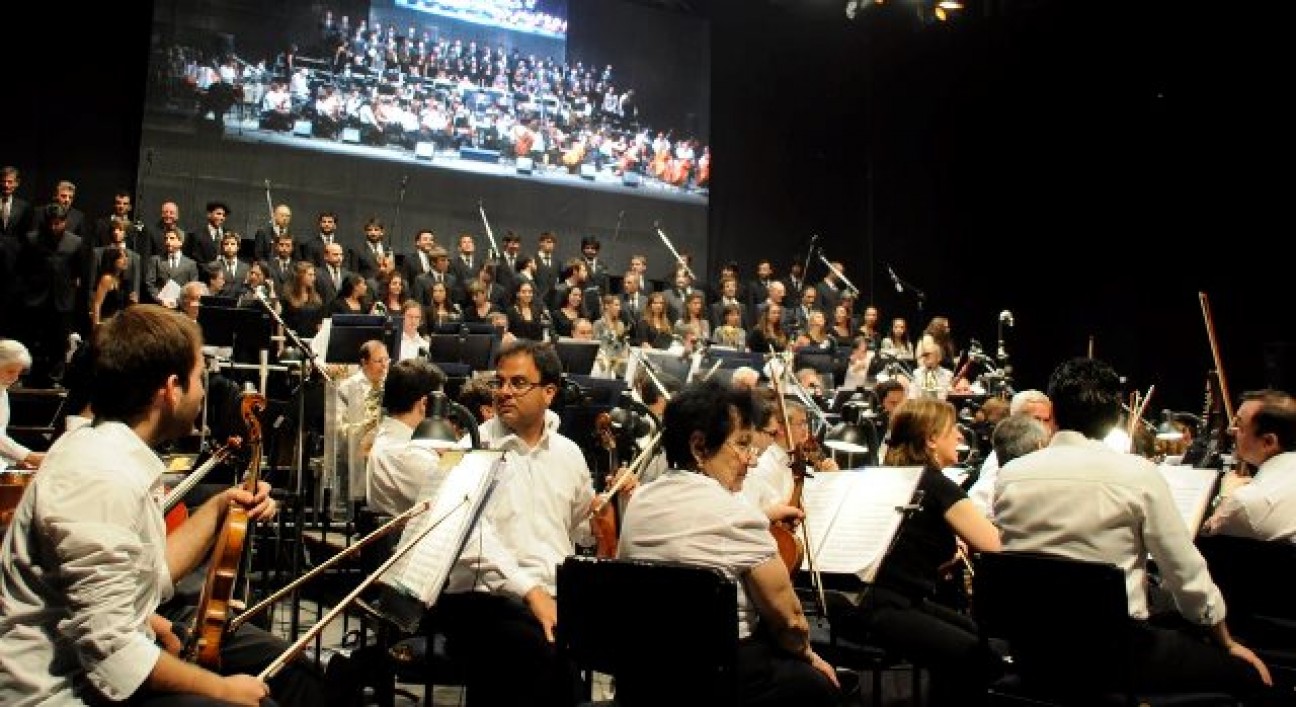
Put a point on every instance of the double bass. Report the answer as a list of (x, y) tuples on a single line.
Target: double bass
[(217, 596)]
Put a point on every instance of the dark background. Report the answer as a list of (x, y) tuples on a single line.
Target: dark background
[(1090, 167)]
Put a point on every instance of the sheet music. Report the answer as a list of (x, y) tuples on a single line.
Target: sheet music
[(1192, 490), (851, 517), (170, 291), (458, 495)]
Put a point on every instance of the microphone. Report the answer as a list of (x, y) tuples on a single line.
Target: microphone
[(1006, 317), (267, 183), (895, 279), (404, 180)]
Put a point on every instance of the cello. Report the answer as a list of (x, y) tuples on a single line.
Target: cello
[(217, 596)]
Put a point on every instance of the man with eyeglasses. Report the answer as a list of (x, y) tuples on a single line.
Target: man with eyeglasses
[(1262, 506), (500, 607)]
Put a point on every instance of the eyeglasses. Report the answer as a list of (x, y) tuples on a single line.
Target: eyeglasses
[(747, 451), (518, 384)]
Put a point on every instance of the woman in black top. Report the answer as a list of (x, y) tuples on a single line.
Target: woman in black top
[(900, 612), (526, 317), (303, 310)]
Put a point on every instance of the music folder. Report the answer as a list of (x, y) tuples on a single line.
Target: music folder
[(460, 489), (853, 516), (1192, 490)]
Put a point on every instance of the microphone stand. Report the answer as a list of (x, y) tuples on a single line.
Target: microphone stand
[(400, 200), (494, 253), (903, 283), (805, 268), (840, 275), (678, 258)]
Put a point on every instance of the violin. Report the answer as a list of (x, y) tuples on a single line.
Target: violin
[(603, 521), (217, 596), (173, 505)]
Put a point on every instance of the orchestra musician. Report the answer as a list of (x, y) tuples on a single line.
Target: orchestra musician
[(1038, 505), (1262, 506), (499, 608), (899, 611), (693, 514), (88, 561)]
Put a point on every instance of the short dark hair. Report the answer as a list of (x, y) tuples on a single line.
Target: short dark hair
[(475, 394), (408, 382), (135, 353), (1086, 396), (213, 205), (543, 353), (590, 241), (1277, 416), (708, 408)]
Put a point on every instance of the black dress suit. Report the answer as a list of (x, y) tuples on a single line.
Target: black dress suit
[(312, 250), (422, 290), (413, 267), (263, 246), (202, 246), (546, 277), (160, 271), (21, 218), (465, 272), (324, 285), (279, 273), (235, 275), (364, 260)]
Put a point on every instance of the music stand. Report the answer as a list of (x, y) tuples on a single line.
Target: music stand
[(349, 332), (217, 301), (475, 350), (246, 330), (457, 328), (577, 356), (670, 363)]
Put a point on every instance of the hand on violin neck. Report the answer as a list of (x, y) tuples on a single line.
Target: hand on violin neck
[(259, 506), (783, 513)]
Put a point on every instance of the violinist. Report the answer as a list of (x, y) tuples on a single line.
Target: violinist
[(87, 561), (692, 514), (899, 611), (500, 605), (1262, 506), (772, 483)]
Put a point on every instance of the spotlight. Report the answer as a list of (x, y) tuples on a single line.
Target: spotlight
[(946, 9)]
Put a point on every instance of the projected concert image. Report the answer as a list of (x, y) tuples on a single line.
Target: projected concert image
[(598, 95)]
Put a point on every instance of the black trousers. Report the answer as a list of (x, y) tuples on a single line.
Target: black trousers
[(769, 677), (248, 651), (506, 658), (1168, 656), (930, 635)]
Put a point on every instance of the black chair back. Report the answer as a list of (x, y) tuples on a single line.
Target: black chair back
[(1066, 621), (631, 619)]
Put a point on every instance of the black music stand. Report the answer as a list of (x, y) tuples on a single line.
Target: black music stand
[(350, 331), (456, 328), (475, 350), (577, 356), (245, 330)]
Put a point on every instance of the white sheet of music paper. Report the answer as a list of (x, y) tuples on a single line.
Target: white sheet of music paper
[(852, 516), (1192, 490), (458, 499)]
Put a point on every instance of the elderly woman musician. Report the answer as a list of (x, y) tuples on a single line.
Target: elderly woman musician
[(693, 513)]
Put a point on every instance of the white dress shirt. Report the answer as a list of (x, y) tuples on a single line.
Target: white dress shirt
[(10, 451), (536, 516), (770, 482), (82, 569), (688, 517), (399, 467), (982, 492), (1264, 508), (353, 413), (1079, 498)]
